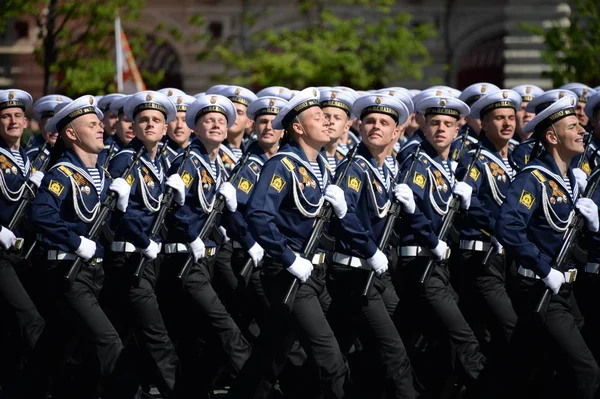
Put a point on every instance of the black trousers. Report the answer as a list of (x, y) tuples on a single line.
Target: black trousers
[(135, 309), (351, 315), (205, 329), (555, 339), (22, 323), (73, 311), (439, 302), (587, 292), (486, 295), (306, 322)]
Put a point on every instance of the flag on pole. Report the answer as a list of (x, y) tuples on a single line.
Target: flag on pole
[(129, 80)]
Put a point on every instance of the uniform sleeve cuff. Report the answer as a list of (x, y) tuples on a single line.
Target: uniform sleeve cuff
[(288, 257), (543, 266)]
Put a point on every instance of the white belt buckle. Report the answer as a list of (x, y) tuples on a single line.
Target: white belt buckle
[(571, 276)]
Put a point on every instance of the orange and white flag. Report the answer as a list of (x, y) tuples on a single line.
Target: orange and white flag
[(129, 80)]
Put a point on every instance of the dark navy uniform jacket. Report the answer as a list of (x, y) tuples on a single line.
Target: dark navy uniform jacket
[(533, 219), (471, 140), (33, 152), (432, 188), (201, 185), (592, 240), (102, 157), (490, 180), (522, 153), (410, 146), (234, 223), (368, 195), (67, 203), (147, 187), (170, 151), (280, 213), (12, 182)]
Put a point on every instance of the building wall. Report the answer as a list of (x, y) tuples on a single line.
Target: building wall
[(478, 40)]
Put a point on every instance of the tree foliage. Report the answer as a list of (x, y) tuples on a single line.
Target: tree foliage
[(573, 51), (76, 41), (368, 51)]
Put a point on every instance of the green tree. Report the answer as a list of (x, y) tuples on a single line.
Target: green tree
[(573, 51), (76, 48), (371, 50)]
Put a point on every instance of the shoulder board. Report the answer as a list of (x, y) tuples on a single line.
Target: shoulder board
[(288, 164), (65, 170), (538, 175), (362, 162)]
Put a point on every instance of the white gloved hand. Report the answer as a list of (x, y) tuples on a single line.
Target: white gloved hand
[(256, 253), (123, 189), (36, 178), (198, 249), (151, 252), (7, 238), (404, 195), (86, 249), (228, 192), (335, 196), (589, 211), (463, 191), (301, 268), (378, 262), (497, 245), (581, 178), (440, 250), (224, 233), (554, 280), (174, 181)]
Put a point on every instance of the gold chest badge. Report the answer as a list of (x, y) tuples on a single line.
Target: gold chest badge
[(557, 195), (206, 181), (440, 182), (498, 172)]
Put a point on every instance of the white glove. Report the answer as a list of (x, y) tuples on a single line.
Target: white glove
[(404, 195), (123, 189), (174, 181), (589, 211), (198, 249), (301, 268), (497, 245), (378, 262), (86, 249), (7, 238), (228, 191), (440, 250), (335, 196), (256, 253), (581, 178), (554, 280), (224, 233), (463, 191), (36, 178), (151, 251)]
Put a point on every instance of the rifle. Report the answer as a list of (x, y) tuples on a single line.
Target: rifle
[(311, 246), (108, 205), (28, 197), (448, 221), (390, 222), (569, 243), (166, 202), (108, 155), (463, 140), (211, 220)]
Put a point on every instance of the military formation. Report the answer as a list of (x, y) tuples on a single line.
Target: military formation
[(315, 243)]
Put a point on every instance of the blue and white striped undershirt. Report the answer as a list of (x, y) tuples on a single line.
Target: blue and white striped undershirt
[(508, 167), (96, 179), (390, 161), (568, 185), (332, 163), (213, 166), (343, 147), (382, 174), (17, 155), (237, 152), (317, 171)]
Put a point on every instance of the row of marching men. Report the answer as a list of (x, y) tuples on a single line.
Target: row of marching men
[(140, 247)]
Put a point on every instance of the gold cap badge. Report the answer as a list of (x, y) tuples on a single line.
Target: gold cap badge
[(333, 95), (11, 95), (170, 93), (483, 88), (213, 99), (378, 100), (179, 100), (148, 97), (237, 91), (91, 100), (443, 102), (504, 94), (528, 90), (271, 102)]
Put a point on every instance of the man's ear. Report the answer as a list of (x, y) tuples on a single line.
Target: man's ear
[(70, 133), (551, 137)]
